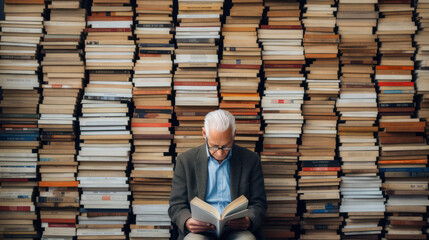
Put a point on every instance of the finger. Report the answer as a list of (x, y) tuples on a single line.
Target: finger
[(200, 224), (201, 227)]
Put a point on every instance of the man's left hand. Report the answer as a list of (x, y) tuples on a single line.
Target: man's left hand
[(240, 223)]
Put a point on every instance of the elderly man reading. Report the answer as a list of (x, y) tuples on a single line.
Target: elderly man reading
[(218, 172)]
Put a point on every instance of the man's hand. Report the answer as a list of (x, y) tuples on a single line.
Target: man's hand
[(196, 226), (240, 223)]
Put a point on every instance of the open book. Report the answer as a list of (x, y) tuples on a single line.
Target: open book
[(205, 212)]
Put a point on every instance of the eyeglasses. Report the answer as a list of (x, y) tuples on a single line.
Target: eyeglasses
[(218, 148)]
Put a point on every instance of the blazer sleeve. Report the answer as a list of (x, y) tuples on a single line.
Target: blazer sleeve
[(258, 200), (179, 209)]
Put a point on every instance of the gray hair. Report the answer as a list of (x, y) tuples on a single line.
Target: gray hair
[(221, 120)]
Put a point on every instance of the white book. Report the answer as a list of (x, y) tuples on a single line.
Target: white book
[(110, 202), (104, 198), (21, 30), (151, 209), (103, 231), (107, 121), (196, 58), (89, 115), (197, 29), (152, 222), (86, 133), (102, 159), (146, 233), (103, 205), (103, 218), (179, 16), (153, 218), (108, 94), (143, 72), (207, 88), (107, 128)]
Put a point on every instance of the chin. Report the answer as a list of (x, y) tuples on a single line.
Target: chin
[(220, 159)]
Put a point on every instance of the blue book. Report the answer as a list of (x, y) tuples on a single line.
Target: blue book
[(404, 169)]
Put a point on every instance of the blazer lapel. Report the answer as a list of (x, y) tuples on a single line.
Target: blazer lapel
[(235, 172), (201, 171)]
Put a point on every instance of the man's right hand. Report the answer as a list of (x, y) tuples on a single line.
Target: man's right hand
[(196, 226)]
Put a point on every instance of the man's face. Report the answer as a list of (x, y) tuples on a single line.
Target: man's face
[(219, 140)]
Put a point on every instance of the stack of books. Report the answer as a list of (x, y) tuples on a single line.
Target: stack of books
[(151, 122), (394, 73), (19, 135), (109, 43), (403, 148), (422, 58), (196, 58), (319, 181), (403, 164), (362, 198), (104, 126), (283, 56), (63, 74), (239, 70)]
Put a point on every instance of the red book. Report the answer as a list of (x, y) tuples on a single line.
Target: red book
[(70, 225), (58, 220), (109, 18), (15, 208), (321, 169), (395, 68), (13, 179), (107, 29), (59, 184), (281, 27), (394, 1), (155, 92), (149, 55), (155, 107), (240, 66), (283, 66), (38, 2), (195, 83), (395, 84), (150, 124)]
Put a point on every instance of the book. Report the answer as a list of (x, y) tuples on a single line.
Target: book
[(204, 212)]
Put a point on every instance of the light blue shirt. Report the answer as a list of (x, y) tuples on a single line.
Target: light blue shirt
[(218, 182)]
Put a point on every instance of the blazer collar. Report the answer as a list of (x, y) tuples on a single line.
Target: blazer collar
[(202, 169)]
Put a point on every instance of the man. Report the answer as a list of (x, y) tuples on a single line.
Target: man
[(218, 172)]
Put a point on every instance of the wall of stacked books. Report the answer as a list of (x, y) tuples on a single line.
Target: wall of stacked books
[(98, 97)]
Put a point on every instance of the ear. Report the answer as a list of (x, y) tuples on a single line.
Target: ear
[(203, 131)]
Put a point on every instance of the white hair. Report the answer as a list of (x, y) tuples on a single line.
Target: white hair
[(220, 120)]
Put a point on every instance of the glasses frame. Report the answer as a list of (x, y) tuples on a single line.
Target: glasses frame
[(215, 149)]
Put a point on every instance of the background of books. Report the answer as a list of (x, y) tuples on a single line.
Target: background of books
[(98, 98)]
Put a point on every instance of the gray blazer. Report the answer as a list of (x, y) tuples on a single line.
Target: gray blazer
[(190, 180)]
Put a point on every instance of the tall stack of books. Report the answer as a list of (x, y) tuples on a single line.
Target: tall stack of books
[(422, 57), (104, 126), (283, 56), (362, 198), (394, 73), (403, 163), (403, 148), (196, 57), (319, 181), (151, 122), (239, 70), (63, 74), (19, 135)]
